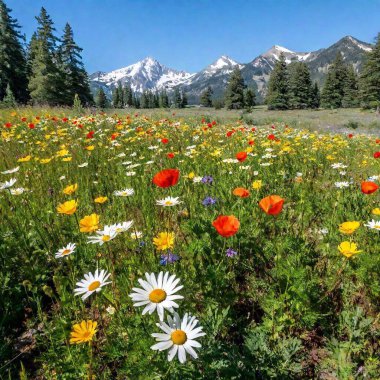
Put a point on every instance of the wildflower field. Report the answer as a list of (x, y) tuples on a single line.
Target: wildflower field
[(134, 247)]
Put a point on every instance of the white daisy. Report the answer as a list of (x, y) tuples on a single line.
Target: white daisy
[(197, 179), (66, 251), (124, 193), (91, 283), (8, 184), (136, 235), (157, 293), (103, 236), (179, 336), (341, 185), (130, 174), (168, 201), (17, 191), (122, 227), (11, 171), (373, 224), (83, 165)]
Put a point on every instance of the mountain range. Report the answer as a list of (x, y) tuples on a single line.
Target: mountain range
[(149, 74)]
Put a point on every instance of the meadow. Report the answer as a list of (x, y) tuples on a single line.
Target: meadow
[(189, 245)]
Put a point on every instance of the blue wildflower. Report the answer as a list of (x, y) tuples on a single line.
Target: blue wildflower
[(208, 201), (168, 258)]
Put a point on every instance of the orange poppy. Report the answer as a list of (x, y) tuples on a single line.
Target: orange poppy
[(369, 187), (166, 178), (241, 192), (272, 205), (226, 225), (241, 156)]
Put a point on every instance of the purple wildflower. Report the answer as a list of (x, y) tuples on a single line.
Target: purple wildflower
[(230, 252), (168, 258), (208, 201), (207, 179)]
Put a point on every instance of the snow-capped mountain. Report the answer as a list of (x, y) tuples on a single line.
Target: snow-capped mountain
[(149, 74)]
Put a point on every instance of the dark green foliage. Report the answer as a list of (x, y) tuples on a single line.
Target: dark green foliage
[(74, 75), (177, 100), (163, 99), (101, 99), (206, 97), (128, 95), (300, 86), (249, 98), (218, 103), (77, 105), (46, 81), (350, 89), (333, 89), (234, 95), (370, 78), (278, 88), (9, 99), (12, 57), (183, 99), (315, 96)]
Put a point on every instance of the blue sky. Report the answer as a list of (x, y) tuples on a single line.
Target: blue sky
[(189, 35)]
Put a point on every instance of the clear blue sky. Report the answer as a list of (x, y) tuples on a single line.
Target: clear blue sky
[(189, 35)]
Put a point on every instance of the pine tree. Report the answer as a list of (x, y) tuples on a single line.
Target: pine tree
[(136, 101), (77, 105), (333, 89), (278, 87), (101, 99), (75, 76), (144, 100), (249, 98), (315, 96), (31, 53), (234, 95), (12, 57), (206, 97), (128, 96), (164, 99), (183, 99), (45, 83), (9, 99), (350, 89), (115, 98), (300, 86), (370, 78), (120, 96), (177, 100)]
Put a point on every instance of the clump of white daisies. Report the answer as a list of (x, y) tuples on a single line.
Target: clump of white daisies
[(178, 334)]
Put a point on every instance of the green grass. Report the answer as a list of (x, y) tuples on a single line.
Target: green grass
[(289, 305)]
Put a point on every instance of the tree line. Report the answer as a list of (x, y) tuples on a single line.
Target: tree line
[(47, 70), (290, 86)]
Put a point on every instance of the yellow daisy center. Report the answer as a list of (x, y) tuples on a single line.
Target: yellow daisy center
[(157, 295), (178, 337), (66, 252), (168, 203), (93, 286), (106, 237)]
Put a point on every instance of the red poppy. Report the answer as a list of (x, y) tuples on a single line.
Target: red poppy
[(241, 156), (23, 119), (8, 125), (271, 137), (241, 192), (213, 122), (31, 125), (226, 225), (113, 136), (90, 135), (209, 125), (369, 187), (272, 205), (251, 142), (376, 155), (164, 141), (170, 155), (229, 133), (166, 178), (350, 135), (377, 141)]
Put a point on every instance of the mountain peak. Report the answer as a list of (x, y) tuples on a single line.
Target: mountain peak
[(282, 49)]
